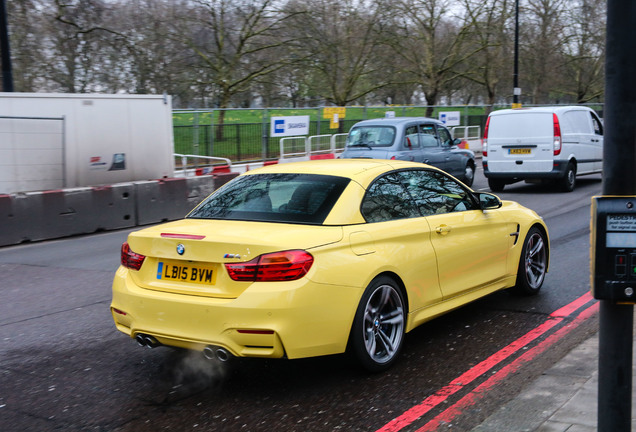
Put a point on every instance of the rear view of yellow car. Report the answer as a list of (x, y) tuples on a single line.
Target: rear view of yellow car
[(316, 258)]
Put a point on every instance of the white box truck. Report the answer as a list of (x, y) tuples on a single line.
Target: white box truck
[(54, 141)]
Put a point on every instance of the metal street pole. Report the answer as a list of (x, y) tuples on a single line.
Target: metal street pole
[(7, 74), (516, 91), (619, 178)]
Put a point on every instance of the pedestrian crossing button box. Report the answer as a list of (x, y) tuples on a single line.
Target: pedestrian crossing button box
[(613, 248)]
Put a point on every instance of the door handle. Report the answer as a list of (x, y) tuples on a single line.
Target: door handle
[(443, 229)]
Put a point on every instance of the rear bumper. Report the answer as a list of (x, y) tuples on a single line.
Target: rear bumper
[(297, 319), (558, 171)]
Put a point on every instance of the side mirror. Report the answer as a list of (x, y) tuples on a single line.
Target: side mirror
[(457, 141), (489, 201)]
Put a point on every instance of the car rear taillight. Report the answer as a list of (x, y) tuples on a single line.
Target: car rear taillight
[(484, 142), (278, 266), (130, 259), (557, 135)]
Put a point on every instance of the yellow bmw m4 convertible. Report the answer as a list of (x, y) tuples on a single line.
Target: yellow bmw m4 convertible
[(323, 257)]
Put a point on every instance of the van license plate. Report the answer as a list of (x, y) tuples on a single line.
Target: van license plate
[(517, 151), (182, 273)]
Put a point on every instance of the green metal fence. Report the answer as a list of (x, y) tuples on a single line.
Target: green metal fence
[(242, 135)]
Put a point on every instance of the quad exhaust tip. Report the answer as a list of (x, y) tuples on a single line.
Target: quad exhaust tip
[(210, 352), (214, 352)]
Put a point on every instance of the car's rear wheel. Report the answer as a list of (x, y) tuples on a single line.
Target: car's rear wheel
[(533, 263), (568, 182), (377, 334), (496, 185), (469, 174)]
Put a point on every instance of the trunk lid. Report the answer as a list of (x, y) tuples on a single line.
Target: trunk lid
[(206, 245)]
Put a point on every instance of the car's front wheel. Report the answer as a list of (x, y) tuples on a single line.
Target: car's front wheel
[(377, 334), (533, 263)]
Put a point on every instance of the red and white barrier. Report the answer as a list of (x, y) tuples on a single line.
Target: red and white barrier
[(59, 213)]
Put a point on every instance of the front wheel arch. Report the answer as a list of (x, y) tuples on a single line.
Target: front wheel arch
[(532, 265)]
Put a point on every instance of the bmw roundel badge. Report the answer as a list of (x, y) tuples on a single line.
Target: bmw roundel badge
[(180, 249)]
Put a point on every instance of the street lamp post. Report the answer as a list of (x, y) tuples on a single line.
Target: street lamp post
[(516, 91)]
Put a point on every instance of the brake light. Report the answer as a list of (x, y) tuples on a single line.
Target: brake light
[(557, 135), (183, 236), (484, 142), (278, 266), (130, 259)]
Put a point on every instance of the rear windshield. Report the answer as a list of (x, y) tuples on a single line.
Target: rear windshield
[(521, 125), (295, 198), (371, 136)]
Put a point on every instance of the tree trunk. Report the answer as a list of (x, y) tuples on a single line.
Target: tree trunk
[(225, 101)]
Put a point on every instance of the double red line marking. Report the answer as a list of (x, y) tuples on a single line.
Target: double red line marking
[(459, 383)]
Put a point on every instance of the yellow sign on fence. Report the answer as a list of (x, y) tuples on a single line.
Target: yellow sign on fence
[(328, 112), (334, 114)]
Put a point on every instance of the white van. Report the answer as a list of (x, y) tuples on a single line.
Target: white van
[(539, 144)]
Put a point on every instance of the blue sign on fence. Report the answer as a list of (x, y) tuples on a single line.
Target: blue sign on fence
[(289, 126)]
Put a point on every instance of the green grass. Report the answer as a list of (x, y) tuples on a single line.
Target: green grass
[(241, 116)]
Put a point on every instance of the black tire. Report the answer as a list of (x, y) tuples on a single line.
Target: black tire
[(533, 263), (469, 174), (568, 182), (496, 185), (377, 334)]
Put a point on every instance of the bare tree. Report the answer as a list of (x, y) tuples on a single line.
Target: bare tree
[(147, 55), (26, 33), (585, 50), (542, 32), (73, 46), (491, 34), (231, 39), (339, 42), (432, 43), (224, 52)]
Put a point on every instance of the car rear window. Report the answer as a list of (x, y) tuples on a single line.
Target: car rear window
[(521, 125), (371, 136), (293, 198)]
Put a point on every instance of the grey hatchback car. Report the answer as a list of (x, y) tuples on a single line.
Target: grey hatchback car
[(418, 139)]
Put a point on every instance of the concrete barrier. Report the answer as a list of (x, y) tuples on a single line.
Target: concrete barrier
[(115, 206), (161, 200), (60, 213), (14, 220)]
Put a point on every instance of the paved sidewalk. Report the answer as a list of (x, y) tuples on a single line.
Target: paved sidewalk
[(563, 399)]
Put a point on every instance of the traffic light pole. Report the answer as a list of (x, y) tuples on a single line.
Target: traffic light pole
[(619, 178)]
